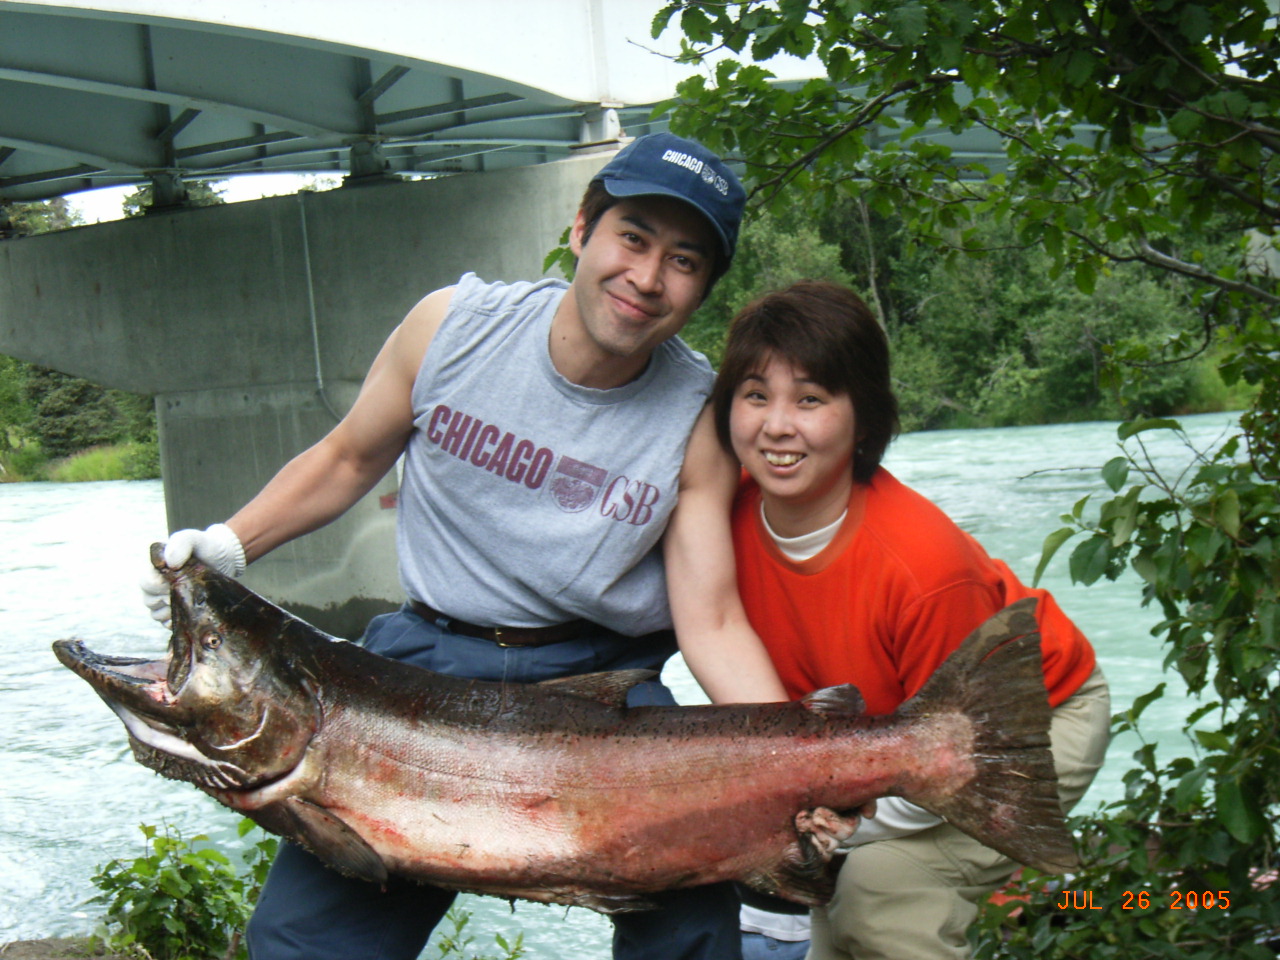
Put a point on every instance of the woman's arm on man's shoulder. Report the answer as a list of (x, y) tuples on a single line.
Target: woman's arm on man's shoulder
[(722, 651)]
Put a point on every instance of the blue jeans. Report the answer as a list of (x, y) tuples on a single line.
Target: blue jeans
[(757, 946), (309, 912)]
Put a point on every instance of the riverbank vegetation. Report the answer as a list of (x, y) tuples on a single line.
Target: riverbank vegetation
[(185, 899), (1132, 153), (61, 428)]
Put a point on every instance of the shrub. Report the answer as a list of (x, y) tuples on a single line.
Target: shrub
[(22, 463), (141, 460), (182, 900), (96, 463)]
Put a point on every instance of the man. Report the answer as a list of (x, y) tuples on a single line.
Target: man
[(544, 428)]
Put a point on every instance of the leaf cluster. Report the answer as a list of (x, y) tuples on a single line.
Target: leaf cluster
[(1109, 122), (182, 899), (456, 942)]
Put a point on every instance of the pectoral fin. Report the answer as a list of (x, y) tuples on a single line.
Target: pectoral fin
[(837, 703), (622, 903), (325, 835)]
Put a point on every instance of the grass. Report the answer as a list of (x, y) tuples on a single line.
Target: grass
[(96, 463), (118, 461)]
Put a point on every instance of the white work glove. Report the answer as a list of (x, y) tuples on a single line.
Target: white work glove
[(217, 547)]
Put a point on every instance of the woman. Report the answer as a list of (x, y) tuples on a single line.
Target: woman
[(849, 576)]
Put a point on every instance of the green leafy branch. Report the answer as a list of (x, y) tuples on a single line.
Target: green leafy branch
[(182, 899)]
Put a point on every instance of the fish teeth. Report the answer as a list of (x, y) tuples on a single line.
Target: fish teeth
[(783, 459)]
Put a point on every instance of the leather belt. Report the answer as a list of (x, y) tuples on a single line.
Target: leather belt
[(506, 636), (763, 901)]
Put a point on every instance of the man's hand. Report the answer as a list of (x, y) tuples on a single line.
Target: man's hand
[(830, 832), (217, 547)]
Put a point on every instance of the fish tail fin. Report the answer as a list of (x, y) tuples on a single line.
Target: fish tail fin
[(996, 680)]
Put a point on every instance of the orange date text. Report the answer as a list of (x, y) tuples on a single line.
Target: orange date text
[(1145, 900)]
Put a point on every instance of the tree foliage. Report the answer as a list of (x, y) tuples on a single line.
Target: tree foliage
[(15, 411), (69, 414), (198, 193), (1126, 139), (1000, 343), (24, 219), (772, 252)]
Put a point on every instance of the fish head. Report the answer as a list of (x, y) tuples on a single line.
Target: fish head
[(225, 708)]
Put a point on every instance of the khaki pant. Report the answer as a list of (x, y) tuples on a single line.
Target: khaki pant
[(913, 898)]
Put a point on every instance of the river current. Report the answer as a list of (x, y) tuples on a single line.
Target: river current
[(72, 797)]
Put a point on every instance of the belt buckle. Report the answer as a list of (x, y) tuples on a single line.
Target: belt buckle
[(497, 638)]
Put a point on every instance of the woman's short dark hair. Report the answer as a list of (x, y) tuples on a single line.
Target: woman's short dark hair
[(827, 331), (597, 200)]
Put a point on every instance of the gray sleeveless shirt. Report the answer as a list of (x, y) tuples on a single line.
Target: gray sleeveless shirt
[(526, 499)]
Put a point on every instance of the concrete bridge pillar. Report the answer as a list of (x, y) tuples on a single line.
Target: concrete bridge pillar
[(253, 325)]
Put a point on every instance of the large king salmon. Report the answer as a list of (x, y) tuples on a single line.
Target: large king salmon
[(557, 791)]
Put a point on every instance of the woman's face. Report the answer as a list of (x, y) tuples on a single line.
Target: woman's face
[(796, 439)]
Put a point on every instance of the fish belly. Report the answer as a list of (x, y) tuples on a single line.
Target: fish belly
[(613, 815)]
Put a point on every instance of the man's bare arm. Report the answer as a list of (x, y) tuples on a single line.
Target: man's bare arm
[(323, 482)]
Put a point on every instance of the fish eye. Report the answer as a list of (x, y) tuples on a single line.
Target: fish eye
[(212, 641)]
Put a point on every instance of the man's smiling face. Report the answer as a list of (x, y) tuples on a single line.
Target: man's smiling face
[(641, 274)]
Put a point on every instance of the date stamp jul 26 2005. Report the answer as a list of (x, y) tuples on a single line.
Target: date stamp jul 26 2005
[(1070, 899)]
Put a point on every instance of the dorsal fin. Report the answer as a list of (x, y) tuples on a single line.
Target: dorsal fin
[(609, 687), (842, 701)]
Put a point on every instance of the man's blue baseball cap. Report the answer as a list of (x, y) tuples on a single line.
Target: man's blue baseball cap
[(662, 164)]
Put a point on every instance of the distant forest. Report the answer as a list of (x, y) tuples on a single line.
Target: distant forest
[(998, 340)]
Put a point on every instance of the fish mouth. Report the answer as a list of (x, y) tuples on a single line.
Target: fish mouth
[(207, 711), (132, 679), (138, 691)]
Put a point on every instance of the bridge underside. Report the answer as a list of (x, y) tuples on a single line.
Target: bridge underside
[(90, 98), (96, 94)]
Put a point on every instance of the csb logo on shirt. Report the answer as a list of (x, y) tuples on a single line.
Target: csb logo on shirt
[(575, 486)]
